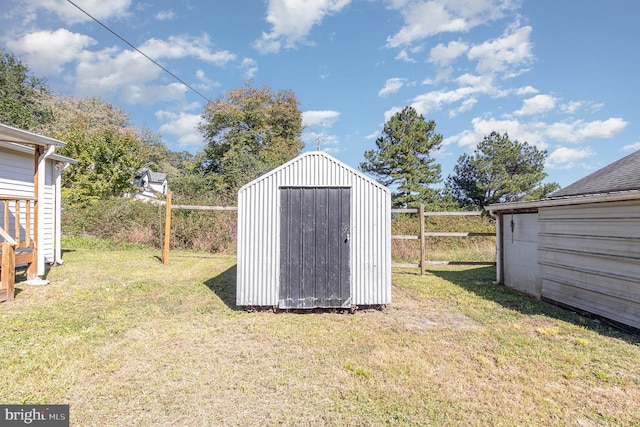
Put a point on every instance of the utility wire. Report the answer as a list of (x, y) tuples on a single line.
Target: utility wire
[(141, 52)]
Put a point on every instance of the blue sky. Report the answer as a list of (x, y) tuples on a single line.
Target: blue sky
[(562, 75)]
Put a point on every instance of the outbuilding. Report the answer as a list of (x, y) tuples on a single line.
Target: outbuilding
[(314, 233), (581, 246)]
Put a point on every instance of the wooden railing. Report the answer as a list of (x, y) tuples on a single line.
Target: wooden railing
[(17, 240)]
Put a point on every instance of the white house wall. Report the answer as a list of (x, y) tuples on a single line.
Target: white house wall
[(590, 258), (16, 179), (259, 230), (520, 252)]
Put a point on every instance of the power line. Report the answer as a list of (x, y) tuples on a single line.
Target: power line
[(141, 52)]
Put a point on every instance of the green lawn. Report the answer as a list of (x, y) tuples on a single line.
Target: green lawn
[(127, 341)]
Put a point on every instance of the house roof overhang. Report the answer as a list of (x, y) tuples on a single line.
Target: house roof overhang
[(29, 150), (564, 201), (21, 136)]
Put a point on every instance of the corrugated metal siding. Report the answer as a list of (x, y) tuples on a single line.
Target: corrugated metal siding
[(259, 230), (520, 252), (590, 258), (16, 179)]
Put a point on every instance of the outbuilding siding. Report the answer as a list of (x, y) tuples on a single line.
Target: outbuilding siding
[(590, 258), (259, 230)]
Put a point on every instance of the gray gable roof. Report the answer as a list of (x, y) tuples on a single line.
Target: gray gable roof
[(622, 175)]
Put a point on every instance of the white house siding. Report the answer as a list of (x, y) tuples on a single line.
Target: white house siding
[(259, 230), (520, 252), (16, 179), (590, 258)]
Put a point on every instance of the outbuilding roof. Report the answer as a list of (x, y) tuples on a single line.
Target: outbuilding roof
[(622, 175), (616, 182)]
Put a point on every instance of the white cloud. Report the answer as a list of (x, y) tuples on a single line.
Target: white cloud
[(423, 19), (466, 105), (99, 9), (632, 147), (445, 55), (564, 157), (129, 74), (182, 125), (505, 54), (176, 47), (391, 86), (571, 107), (403, 55), (205, 82), (148, 94), (579, 130), (527, 90), (292, 20), (470, 87), (537, 104), (48, 51), (324, 118), (250, 67), (537, 133), (532, 133), (165, 15)]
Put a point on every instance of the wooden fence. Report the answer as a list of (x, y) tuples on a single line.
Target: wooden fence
[(421, 236)]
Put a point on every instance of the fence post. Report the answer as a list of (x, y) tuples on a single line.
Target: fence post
[(421, 218), (167, 230)]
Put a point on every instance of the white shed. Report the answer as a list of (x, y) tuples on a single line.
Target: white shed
[(314, 233), (581, 246)]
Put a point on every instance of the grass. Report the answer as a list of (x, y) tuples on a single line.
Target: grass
[(127, 341)]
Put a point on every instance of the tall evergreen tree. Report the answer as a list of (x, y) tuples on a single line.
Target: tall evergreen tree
[(500, 170), (403, 159)]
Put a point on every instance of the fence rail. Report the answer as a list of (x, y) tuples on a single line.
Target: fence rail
[(423, 234)]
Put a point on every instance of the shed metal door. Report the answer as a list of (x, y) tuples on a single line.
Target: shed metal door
[(314, 247)]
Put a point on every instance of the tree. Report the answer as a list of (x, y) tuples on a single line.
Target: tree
[(249, 131), (500, 170), (403, 158), (21, 95), (100, 137)]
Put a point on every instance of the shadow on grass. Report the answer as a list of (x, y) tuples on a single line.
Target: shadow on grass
[(480, 281), (224, 285)]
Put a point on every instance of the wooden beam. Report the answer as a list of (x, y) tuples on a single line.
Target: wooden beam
[(32, 270), (8, 280), (167, 230), (422, 248), (205, 208)]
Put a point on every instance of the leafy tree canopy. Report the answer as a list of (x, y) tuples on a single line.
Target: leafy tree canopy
[(500, 170), (403, 158), (249, 131), (108, 149), (21, 95)]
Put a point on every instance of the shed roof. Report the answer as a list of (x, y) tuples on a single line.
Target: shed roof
[(324, 159), (622, 175)]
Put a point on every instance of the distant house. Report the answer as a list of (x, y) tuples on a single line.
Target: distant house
[(152, 185), (30, 204), (581, 246)]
